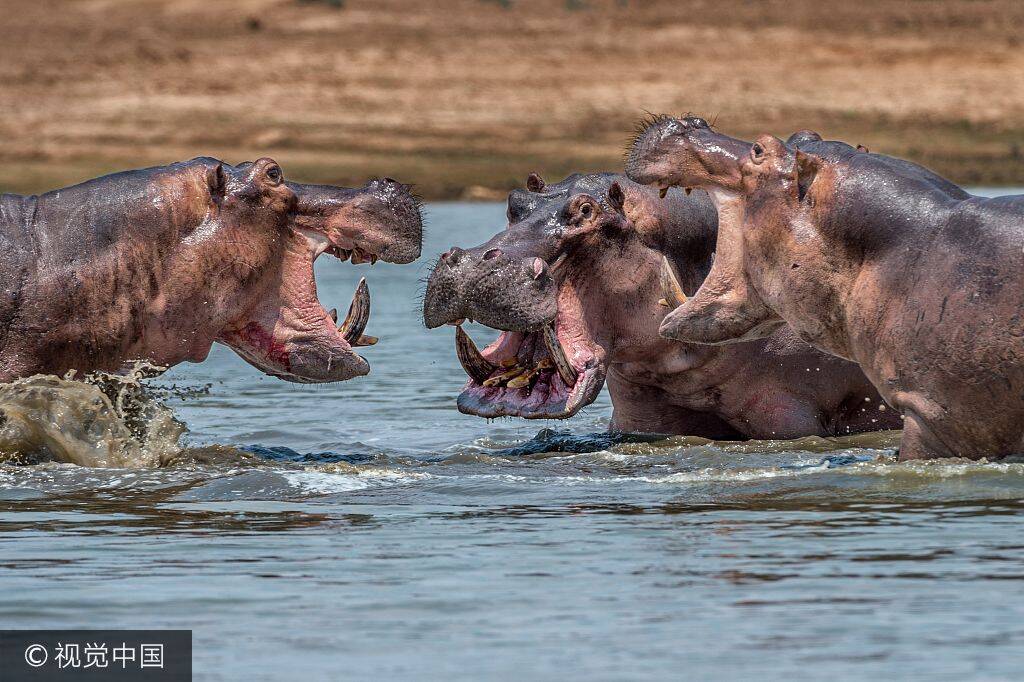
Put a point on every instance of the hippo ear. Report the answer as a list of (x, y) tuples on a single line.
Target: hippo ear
[(807, 166), (217, 182), (862, 148), (535, 183), (617, 198)]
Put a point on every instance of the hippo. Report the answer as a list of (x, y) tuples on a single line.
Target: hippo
[(871, 258), (158, 264), (578, 283)]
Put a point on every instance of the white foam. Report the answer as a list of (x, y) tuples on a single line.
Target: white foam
[(322, 483), (328, 480)]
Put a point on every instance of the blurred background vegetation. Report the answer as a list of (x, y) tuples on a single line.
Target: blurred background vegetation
[(465, 97)]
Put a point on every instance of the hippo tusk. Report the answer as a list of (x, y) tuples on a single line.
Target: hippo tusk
[(476, 365), (671, 290), (565, 370), (358, 315)]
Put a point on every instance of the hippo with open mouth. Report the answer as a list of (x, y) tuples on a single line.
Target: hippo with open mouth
[(158, 264), (870, 258), (579, 282)]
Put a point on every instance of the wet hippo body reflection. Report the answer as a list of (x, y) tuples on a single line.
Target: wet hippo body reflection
[(870, 258), (578, 283), (158, 264)]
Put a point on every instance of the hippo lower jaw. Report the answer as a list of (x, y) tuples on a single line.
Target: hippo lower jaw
[(290, 335), (550, 373)]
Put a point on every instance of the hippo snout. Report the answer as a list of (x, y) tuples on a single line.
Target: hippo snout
[(645, 163), (381, 220), (403, 207), (486, 285), (442, 302)]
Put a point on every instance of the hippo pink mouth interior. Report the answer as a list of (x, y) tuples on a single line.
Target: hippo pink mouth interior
[(351, 329), (542, 374), (274, 340)]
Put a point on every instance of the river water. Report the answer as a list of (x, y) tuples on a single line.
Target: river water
[(367, 530)]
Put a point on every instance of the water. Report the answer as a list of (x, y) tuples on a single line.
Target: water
[(367, 530)]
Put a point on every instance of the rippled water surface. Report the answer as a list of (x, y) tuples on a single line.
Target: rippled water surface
[(367, 530)]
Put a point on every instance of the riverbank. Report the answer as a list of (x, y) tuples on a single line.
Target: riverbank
[(465, 97)]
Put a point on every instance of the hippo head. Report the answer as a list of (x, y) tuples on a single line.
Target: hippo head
[(687, 152), (569, 285), (267, 233), (684, 152)]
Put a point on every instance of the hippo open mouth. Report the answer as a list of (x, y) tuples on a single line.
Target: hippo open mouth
[(546, 374), (312, 346), (289, 334), (352, 328)]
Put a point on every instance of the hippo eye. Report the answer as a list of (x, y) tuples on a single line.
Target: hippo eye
[(587, 209), (699, 123), (757, 153), (274, 174)]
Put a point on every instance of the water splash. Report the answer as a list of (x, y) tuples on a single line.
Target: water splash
[(102, 420)]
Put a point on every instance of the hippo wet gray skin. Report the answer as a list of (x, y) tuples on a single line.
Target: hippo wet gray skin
[(158, 264), (578, 282), (871, 258)]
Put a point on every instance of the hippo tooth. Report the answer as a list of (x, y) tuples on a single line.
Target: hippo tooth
[(663, 192), (565, 370), (524, 379), (358, 314), (334, 315), (688, 190), (504, 377), (365, 340), (476, 365), (673, 293)]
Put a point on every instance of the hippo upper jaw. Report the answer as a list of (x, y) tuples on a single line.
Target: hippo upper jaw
[(381, 220), (685, 153)]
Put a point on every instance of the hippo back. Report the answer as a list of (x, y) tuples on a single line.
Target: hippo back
[(74, 225), (89, 252), (18, 245)]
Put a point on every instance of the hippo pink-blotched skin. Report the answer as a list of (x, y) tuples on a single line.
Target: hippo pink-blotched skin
[(870, 258), (160, 263), (584, 257)]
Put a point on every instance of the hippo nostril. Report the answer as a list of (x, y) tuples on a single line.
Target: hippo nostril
[(538, 267), (493, 253), (451, 256)]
